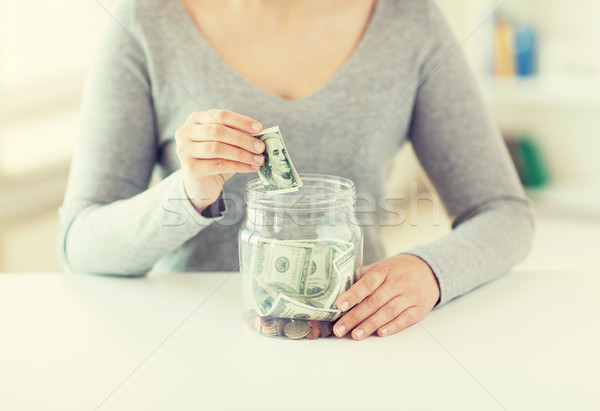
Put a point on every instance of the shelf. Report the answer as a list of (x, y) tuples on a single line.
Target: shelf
[(562, 90), (568, 201)]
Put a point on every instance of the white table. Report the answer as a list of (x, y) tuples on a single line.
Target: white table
[(528, 341)]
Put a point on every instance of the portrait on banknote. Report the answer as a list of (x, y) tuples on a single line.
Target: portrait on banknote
[(277, 173)]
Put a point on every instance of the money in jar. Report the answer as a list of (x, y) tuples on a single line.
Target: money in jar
[(299, 251)]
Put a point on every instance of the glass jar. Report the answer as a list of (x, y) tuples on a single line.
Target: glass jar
[(298, 253)]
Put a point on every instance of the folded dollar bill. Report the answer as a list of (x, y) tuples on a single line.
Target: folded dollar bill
[(286, 307), (300, 279), (278, 174)]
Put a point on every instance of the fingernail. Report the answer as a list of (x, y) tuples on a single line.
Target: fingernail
[(384, 331), (340, 330), (344, 306), (260, 147), (254, 167), (258, 159), (359, 333), (256, 127)]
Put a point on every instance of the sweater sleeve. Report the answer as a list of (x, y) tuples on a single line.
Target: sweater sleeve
[(462, 152), (110, 221)]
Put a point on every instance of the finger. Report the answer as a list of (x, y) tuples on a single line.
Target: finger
[(386, 314), (216, 150), (362, 271), (220, 166), (369, 282), (407, 318), (362, 311), (226, 118), (216, 132)]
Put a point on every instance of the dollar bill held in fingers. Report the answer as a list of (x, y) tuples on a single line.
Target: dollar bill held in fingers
[(278, 174)]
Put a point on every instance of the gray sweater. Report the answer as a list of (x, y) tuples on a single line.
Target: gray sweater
[(404, 82)]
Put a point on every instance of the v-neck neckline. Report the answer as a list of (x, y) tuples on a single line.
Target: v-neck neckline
[(363, 43)]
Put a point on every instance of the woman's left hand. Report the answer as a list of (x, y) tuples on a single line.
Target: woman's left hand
[(389, 296)]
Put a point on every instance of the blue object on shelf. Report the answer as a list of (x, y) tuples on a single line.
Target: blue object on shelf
[(525, 50)]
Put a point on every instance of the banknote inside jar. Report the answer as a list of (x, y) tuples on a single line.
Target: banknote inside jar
[(295, 284)]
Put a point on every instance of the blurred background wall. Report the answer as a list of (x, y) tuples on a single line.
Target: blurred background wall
[(45, 49), (538, 62)]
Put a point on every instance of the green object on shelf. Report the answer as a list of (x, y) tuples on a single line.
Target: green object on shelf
[(528, 161)]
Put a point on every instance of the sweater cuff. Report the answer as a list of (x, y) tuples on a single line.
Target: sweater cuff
[(217, 209)]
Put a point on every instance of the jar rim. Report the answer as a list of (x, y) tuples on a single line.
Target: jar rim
[(319, 191)]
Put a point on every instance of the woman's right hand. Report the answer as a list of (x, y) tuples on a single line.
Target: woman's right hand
[(212, 146)]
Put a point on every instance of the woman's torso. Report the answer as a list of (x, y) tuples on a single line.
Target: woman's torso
[(351, 126)]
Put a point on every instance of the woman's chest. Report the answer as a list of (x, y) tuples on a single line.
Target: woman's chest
[(290, 60), (356, 120)]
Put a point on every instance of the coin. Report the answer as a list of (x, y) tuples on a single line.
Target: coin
[(250, 316), (255, 324), (296, 330), (280, 325), (326, 329), (253, 320), (313, 334), (314, 330), (270, 328), (313, 324)]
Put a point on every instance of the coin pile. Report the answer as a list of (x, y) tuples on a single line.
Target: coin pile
[(285, 327), (298, 279)]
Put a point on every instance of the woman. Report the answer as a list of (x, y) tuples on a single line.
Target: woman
[(179, 87)]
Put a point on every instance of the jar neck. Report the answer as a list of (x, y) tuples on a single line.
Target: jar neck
[(319, 194)]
